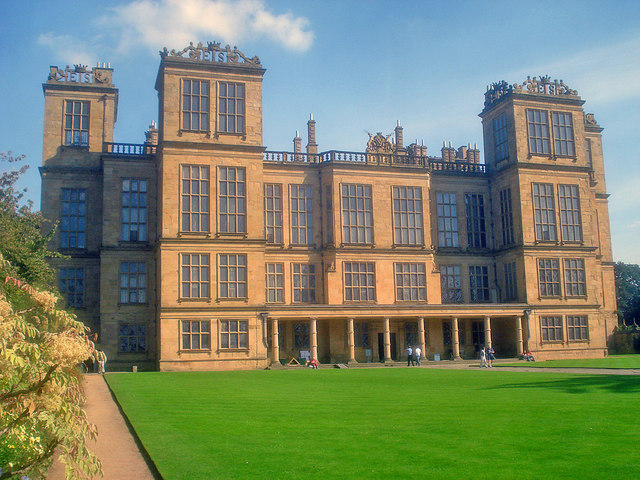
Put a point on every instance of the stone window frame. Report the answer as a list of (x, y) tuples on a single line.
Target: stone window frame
[(232, 276), (506, 217), (232, 195), (479, 291), (238, 115), (551, 329), (303, 283), (356, 207), (195, 191), (301, 336), (76, 124), (274, 282), (195, 275), (538, 132), (474, 207), (570, 213), (134, 203), (189, 335), (451, 284), (133, 281), (563, 134), (71, 281), (328, 209), (131, 334), (577, 324), (73, 222), (359, 280), (500, 138), (447, 212), (411, 334), (301, 214), (273, 213), (544, 212), (549, 277), (413, 285), (203, 112), (575, 279), (407, 210), (361, 334), (510, 281), (477, 332), (233, 334)]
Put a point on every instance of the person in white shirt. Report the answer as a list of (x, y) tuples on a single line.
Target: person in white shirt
[(409, 356), (483, 358), (418, 353)]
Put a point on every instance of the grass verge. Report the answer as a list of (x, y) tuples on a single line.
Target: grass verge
[(612, 361)]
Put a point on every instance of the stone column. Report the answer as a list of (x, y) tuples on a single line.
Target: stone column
[(455, 341), (519, 342), (487, 331), (351, 341), (313, 333), (275, 345), (387, 340), (421, 337)]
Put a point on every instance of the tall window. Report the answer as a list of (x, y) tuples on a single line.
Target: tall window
[(304, 282), (231, 108), (133, 282), (361, 335), (328, 210), (234, 334), (410, 282), (447, 219), (195, 275), (72, 220), (195, 198), (231, 196), (570, 218), (589, 153), (273, 213), (476, 227), (232, 276), (196, 335), (301, 215), (477, 333), (574, 277), (407, 216), (544, 212), (134, 210), (76, 123), (195, 105), (446, 332), (359, 282), (551, 328), (274, 282), (357, 214), (549, 277), (563, 133), (538, 126), (500, 139), (506, 217), (577, 328), (132, 338), (300, 335), (479, 283), (411, 333), (72, 286), (510, 281), (450, 284)]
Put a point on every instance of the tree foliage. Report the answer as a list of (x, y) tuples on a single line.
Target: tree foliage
[(41, 346), (628, 292)]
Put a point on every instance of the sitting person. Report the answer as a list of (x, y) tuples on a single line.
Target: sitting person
[(313, 363)]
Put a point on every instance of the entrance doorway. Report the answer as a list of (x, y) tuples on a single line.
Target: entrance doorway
[(394, 356)]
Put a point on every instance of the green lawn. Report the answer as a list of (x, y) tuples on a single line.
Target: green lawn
[(612, 361), (385, 424)]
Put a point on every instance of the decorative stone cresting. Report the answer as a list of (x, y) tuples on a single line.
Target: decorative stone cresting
[(212, 52), (102, 76), (537, 86)]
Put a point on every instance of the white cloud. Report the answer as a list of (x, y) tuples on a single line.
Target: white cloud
[(174, 23), (67, 49)]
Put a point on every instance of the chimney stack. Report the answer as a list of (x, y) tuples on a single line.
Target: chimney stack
[(297, 143), (312, 146), (399, 136), (151, 135)]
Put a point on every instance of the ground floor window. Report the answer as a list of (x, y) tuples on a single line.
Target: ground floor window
[(196, 335), (411, 333), (132, 338), (234, 334), (577, 328), (361, 331), (301, 335), (477, 333), (72, 286), (551, 328)]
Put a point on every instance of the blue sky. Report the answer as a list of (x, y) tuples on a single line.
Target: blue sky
[(357, 66)]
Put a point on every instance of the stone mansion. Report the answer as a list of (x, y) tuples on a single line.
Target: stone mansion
[(201, 250)]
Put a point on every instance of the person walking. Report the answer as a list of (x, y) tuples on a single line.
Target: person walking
[(417, 352), (491, 356), (409, 356), (483, 358)]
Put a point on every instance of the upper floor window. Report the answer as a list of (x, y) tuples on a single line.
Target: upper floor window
[(544, 212), (510, 281), (328, 210), (410, 282), (506, 217), (273, 213), (538, 126), (451, 286), (476, 226), (563, 133), (301, 215), (72, 219), (231, 196), (574, 277), (357, 214), (133, 282), (232, 276), (589, 153), (76, 123), (195, 198), (134, 210), (196, 334), (447, 219), (195, 105), (234, 334), (274, 291), (570, 218), (72, 286), (304, 282), (500, 139), (132, 338), (195, 275), (479, 283), (551, 328), (549, 277), (231, 108), (407, 216), (359, 282)]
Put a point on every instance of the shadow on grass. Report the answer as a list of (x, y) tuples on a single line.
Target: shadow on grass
[(583, 384)]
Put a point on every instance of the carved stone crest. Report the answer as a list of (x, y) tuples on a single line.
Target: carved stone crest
[(378, 143), (212, 52)]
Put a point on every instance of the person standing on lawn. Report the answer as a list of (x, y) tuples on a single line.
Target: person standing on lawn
[(483, 358), (418, 353), (491, 356), (409, 356)]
